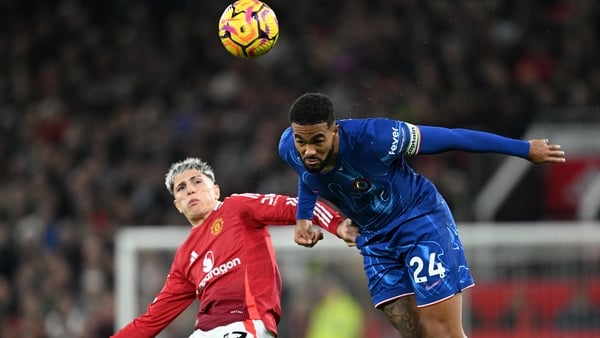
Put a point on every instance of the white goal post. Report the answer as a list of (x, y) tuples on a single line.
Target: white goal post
[(477, 238)]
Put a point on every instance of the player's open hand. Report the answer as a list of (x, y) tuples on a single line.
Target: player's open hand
[(348, 232), (542, 152), (305, 234)]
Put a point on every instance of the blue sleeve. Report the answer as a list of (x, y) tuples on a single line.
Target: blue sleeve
[(306, 201), (437, 139)]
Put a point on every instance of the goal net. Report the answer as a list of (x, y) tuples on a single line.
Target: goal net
[(532, 279)]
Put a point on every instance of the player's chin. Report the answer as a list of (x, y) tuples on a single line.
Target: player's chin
[(314, 166)]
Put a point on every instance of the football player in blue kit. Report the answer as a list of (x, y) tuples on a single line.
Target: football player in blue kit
[(413, 257)]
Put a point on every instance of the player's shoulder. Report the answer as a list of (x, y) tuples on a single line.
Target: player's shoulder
[(238, 203), (241, 197), (251, 196), (371, 129), (250, 201), (286, 141), (286, 134), (368, 124), (287, 149)]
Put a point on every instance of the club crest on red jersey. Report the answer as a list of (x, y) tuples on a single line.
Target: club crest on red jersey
[(216, 227)]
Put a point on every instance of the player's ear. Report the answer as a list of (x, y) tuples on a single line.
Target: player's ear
[(217, 191), (177, 206)]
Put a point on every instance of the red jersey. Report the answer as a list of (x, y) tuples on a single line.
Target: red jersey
[(228, 264)]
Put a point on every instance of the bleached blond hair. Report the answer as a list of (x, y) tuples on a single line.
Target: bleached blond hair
[(190, 163)]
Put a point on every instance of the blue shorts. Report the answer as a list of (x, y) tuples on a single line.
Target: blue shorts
[(424, 257)]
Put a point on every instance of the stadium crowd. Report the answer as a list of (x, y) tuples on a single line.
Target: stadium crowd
[(98, 98)]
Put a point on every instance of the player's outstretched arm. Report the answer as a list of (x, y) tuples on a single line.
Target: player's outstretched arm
[(437, 139), (542, 152)]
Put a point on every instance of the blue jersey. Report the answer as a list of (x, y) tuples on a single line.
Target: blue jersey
[(405, 224), (372, 182)]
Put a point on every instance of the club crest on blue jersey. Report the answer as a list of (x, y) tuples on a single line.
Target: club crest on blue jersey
[(361, 184)]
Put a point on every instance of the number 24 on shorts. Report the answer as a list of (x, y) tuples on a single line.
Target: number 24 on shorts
[(434, 268)]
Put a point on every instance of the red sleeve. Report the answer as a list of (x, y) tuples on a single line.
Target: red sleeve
[(327, 218), (273, 209), (176, 295)]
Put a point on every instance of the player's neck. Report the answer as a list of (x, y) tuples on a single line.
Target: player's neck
[(198, 220), (332, 163)]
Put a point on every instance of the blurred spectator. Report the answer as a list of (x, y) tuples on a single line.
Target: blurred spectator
[(520, 313), (336, 313), (580, 314)]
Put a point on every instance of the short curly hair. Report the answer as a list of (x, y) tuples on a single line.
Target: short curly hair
[(312, 108), (190, 163)]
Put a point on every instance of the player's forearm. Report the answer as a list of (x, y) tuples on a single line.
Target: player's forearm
[(327, 218), (437, 139), (306, 202), (138, 329), (160, 313)]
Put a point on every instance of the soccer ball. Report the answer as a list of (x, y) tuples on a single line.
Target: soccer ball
[(248, 28)]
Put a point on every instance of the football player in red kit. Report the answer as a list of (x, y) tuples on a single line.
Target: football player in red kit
[(227, 262)]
